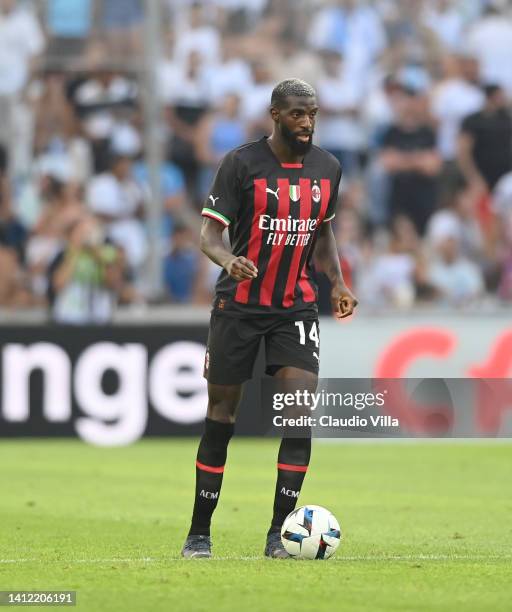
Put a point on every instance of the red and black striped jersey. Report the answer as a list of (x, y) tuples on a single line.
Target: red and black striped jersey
[(273, 212)]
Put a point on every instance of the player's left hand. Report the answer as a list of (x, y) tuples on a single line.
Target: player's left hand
[(343, 301)]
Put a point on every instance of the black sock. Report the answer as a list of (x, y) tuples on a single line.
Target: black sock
[(292, 465), (211, 458)]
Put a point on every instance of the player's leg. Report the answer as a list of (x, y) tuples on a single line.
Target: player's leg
[(297, 344), (292, 464), (231, 352), (223, 401)]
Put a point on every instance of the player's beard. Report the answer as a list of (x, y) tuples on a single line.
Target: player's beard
[(296, 146)]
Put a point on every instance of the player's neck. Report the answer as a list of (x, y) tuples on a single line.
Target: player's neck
[(282, 151)]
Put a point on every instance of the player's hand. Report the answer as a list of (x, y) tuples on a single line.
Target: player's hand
[(343, 301), (241, 268)]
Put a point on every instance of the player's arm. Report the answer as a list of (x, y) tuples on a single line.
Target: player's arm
[(220, 209), (212, 245), (326, 257)]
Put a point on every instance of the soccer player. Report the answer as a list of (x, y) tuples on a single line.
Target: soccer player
[(277, 197)]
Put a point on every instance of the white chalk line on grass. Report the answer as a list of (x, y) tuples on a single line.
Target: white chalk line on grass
[(339, 558)]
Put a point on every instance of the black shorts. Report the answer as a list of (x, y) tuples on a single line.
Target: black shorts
[(233, 345)]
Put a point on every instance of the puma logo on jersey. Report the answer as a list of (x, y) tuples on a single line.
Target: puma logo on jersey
[(317, 357), (275, 193), (209, 494), (289, 492), (213, 199)]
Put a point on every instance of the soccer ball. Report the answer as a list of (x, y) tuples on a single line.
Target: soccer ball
[(310, 532)]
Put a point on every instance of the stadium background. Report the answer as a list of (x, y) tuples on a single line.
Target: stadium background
[(114, 116)]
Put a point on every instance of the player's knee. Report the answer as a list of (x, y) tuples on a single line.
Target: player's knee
[(221, 414), (307, 379), (223, 402)]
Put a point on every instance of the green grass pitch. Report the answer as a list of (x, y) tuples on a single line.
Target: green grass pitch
[(426, 526)]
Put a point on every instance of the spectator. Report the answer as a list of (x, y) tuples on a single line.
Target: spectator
[(232, 75), (352, 29), (446, 21), (296, 59), (172, 184), (378, 107), (69, 23), (409, 157), (3, 162), (410, 40), (172, 189), (53, 115), (379, 113), (13, 234), (86, 280), (67, 122), (117, 200), (218, 133), (185, 94), (485, 142), (502, 235), (122, 20), (13, 290), (502, 200), (349, 236), (256, 101), (13, 282), (453, 98), (102, 99), (181, 265), (388, 278), (505, 281), (459, 219), (457, 280), (21, 41), (197, 36), (490, 40), (57, 140), (340, 130), (61, 209)]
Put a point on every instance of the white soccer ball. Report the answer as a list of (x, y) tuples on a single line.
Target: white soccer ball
[(310, 532)]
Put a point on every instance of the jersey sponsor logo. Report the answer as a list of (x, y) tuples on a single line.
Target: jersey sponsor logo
[(209, 494), (274, 193), (287, 231), (316, 194), (213, 199), (289, 492), (266, 222)]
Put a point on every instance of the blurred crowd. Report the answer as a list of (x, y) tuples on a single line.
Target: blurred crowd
[(415, 99)]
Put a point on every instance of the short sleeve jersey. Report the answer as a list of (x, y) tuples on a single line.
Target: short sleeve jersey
[(492, 143), (273, 212)]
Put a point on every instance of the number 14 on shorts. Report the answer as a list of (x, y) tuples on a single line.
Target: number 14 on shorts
[(313, 332)]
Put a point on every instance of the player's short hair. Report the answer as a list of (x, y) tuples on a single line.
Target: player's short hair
[(290, 87)]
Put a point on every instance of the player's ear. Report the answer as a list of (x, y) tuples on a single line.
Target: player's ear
[(274, 113)]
